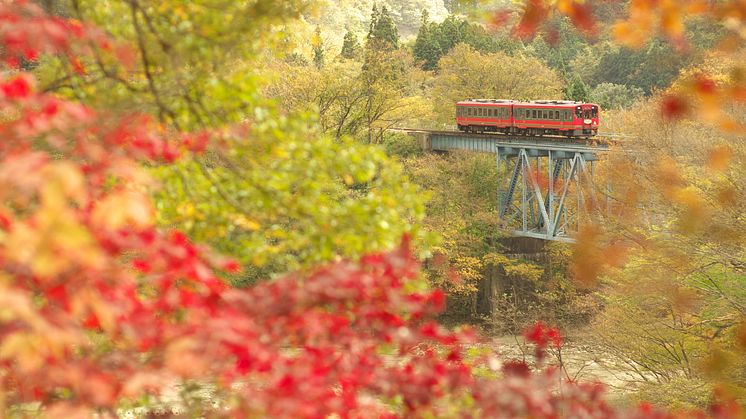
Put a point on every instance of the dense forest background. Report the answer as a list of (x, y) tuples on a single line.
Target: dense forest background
[(410, 62), (289, 159)]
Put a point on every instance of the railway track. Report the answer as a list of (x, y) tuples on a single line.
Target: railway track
[(601, 139)]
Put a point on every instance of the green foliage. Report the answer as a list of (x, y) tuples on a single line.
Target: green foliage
[(294, 200), (318, 49), (437, 39), (577, 90), (350, 46), (383, 33), (614, 96), (296, 59), (276, 193), (402, 146), (461, 210), (426, 49), (361, 101), (561, 46), (649, 68)]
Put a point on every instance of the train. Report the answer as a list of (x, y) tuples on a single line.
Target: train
[(536, 117)]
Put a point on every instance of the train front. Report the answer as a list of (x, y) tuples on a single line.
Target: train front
[(586, 119)]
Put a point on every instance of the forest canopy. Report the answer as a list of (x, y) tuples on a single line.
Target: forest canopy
[(216, 208)]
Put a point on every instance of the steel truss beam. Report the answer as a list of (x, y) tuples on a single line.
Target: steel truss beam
[(547, 188), (546, 197)]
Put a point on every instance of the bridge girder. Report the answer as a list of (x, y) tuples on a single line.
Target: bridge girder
[(547, 191)]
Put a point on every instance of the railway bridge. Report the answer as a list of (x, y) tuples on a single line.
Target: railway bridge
[(548, 189)]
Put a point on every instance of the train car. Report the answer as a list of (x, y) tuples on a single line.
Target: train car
[(538, 117), (485, 115), (556, 117)]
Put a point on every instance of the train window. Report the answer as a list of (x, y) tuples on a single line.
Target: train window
[(556, 114), (594, 111), (533, 113)]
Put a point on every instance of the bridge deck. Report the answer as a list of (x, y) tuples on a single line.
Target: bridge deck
[(510, 144)]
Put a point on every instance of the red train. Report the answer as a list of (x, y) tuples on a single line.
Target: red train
[(537, 117)]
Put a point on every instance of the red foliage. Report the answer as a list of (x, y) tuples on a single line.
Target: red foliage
[(534, 15), (98, 305), (581, 15), (674, 107)]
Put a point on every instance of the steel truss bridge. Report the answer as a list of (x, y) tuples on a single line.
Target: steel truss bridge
[(548, 187)]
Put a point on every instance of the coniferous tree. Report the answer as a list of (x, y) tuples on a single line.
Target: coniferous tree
[(374, 16), (318, 49), (383, 32), (427, 51), (350, 46), (577, 90)]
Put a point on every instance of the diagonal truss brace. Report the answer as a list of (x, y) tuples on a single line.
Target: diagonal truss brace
[(545, 209)]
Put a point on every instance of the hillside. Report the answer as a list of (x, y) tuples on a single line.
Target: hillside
[(336, 15)]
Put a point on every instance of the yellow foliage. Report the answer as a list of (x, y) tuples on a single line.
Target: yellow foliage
[(124, 209)]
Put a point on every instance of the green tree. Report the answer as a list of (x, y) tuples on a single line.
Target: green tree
[(653, 67), (274, 192), (577, 90), (390, 90), (559, 46), (318, 48), (383, 33), (426, 49), (615, 96), (350, 46)]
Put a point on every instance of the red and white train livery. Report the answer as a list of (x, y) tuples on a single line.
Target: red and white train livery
[(537, 117)]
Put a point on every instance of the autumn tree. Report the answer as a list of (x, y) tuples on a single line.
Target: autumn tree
[(465, 73), (274, 202), (673, 307), (132, 309)]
